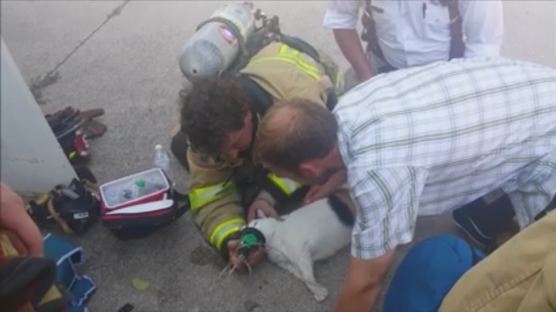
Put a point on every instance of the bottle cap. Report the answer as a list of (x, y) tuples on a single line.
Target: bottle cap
[(140, 182)]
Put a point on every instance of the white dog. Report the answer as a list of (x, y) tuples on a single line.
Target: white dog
[(310, 233)]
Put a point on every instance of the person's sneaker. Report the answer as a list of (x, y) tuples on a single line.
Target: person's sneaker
[(483, 222), (464, 220)]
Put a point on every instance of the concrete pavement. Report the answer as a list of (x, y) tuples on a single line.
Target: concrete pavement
[(122, 56)]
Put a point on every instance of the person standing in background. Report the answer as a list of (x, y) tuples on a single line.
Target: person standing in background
[(403, 34)]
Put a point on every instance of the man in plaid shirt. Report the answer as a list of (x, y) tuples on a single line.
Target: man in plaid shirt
[(420, 141)]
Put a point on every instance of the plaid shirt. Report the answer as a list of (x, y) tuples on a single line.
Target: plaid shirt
[(424, 140)]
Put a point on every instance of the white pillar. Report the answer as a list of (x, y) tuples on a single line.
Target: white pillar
[(32, 160)]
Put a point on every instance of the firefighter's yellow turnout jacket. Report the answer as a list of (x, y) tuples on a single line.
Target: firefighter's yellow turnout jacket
[(284, 73)]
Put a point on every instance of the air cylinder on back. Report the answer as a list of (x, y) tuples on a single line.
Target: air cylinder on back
[(217, 42)]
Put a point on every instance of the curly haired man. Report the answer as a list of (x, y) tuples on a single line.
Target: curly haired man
[(218, 120)]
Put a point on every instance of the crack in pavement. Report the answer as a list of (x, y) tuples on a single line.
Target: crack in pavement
[(52, 76)]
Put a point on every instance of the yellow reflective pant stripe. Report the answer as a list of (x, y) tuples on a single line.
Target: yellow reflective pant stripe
[(284, 48), (296, 55), (225, 229), (287, 51), (310, 72), (202, 196), (291, 56), (288, 186)]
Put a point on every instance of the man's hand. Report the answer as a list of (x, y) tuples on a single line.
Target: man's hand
[(317, 192), (263, 207), (14, 217), (255, 257), (363, 283)]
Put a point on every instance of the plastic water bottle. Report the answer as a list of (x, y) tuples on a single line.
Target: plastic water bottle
[(161, 159)]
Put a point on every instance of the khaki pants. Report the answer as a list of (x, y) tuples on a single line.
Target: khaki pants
[(519, 276)]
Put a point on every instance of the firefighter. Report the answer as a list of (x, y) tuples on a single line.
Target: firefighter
[(219, 118)]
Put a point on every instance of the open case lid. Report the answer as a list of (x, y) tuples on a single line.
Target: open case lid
[(111, 190)]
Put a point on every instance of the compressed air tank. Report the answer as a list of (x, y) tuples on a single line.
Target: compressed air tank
[(217, 42)]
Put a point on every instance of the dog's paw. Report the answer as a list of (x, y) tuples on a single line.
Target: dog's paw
[(320, 293)]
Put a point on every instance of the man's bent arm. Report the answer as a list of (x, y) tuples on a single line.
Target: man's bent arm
[(351, 47), (363, 283)]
